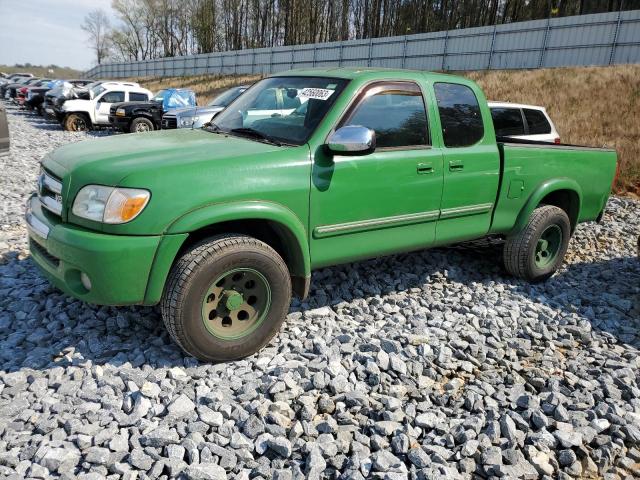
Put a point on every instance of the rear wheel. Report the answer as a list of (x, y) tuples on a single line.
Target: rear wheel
[(538, 250), (140, 125), (226, 298), (77, 122)]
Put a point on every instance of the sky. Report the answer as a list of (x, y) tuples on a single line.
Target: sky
[(45, 32)]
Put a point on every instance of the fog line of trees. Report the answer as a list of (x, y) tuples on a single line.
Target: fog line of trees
[(146, 29)]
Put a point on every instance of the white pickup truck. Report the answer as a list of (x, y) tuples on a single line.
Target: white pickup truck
[(84, 114)]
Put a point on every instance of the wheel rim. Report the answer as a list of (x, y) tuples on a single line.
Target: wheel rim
[(548, 246), (142, 127), (236, 303), (79, 124)]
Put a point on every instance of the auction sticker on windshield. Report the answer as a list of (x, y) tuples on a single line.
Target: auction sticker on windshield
[(315, 93)]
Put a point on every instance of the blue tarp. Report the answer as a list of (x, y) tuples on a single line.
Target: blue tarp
[(176, 98)]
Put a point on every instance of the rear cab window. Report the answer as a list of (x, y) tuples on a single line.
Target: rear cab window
[(460, 117), (138, 97), (536, 121), (507, 121)]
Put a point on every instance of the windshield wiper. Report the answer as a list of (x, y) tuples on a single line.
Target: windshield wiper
[(212, 127), (248, 131)]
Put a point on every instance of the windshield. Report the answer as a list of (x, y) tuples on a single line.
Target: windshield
[(271, 108), (159, 97), (227, 97), (97, 90)]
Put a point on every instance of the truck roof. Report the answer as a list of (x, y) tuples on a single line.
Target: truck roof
[(367, 72), (514, 105)]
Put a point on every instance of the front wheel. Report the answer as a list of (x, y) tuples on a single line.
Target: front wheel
[(140, 125), (537, 252), (226, 298), (77, 122)]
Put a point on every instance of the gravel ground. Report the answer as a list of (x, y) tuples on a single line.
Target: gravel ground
[(433, 365)]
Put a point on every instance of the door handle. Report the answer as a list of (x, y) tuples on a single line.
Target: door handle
[(456, 165), (424, 168)]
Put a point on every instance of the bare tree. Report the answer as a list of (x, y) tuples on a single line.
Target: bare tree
[(96, 24)]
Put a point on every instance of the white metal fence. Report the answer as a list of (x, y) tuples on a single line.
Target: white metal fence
[(597, 39)]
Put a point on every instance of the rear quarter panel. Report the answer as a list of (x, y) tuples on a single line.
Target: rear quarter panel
[(533, 171)]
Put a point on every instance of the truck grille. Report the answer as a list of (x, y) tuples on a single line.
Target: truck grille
[(50, 192), (169, 122)]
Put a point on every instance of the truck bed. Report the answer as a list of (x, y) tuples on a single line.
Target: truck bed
[(529, 167)]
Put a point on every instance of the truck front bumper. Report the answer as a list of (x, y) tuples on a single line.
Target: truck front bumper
[(94, 267), (121, 123)]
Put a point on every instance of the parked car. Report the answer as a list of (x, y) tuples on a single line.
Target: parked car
[(14, 77), (145, 114), (528, 122), (80, 114), (55, 98), (4, 131), (11, 93), (34, 95), (196, 117), (221, 224), (10, 86), (21, 93)]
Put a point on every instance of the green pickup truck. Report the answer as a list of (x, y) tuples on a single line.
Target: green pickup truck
[(221, 225)]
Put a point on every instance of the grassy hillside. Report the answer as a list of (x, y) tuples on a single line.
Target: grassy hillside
[(39, 71), (590, 106)]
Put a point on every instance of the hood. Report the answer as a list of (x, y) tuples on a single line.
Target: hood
[(109, 160), (189, 112)]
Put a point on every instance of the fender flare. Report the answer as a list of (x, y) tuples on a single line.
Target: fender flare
[(544, 189), (290, 228)]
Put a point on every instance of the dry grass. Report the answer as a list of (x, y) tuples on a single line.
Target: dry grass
[(590, 105), (60, 72)]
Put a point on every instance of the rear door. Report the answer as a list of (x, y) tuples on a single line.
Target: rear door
[(103, 105), (471, 163), (4, 131)]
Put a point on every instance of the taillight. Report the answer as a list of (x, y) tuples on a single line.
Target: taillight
[(615, 177), (556, 140)]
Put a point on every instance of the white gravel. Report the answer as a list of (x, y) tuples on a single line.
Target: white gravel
[(431, 365)]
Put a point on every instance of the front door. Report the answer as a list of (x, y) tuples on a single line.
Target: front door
[(386, 201), (104, 104), (471, 164)]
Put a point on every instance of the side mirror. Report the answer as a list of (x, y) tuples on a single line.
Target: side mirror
[(352, 140)]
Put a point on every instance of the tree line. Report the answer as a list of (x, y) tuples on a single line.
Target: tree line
[(147, 29)]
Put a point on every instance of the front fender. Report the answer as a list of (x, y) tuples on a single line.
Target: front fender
[(544, 189), (292, 229)]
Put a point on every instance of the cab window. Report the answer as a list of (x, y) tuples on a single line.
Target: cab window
[(395, 111), (460, 117)]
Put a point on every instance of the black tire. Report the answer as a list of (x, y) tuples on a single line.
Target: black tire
[(77, 122), (188, 284), (140, 125), (520, 249)]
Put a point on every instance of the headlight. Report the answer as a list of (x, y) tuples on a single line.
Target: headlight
[(188, 121), (120, 112), (110, 204)]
